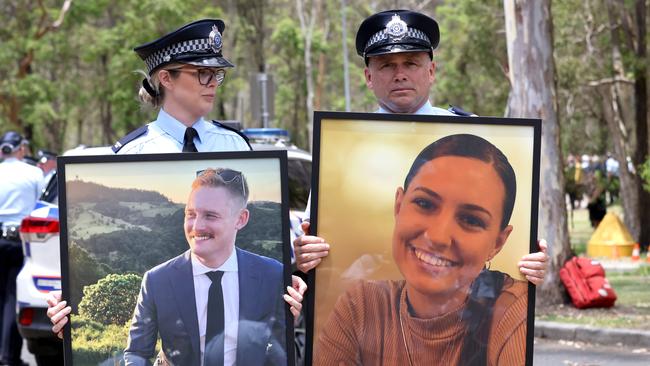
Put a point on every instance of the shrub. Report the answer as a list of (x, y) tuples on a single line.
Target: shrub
[(111, 300)]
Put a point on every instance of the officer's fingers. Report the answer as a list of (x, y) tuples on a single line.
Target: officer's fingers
[(53, 298), (320, 249), (539, 258), (543, 245), (298, 285), (532, 265), (534, 276), (58, 327), (53, 310), (308, 257), (62, 314), (294, 293), (305, 227), (304, 240), (535, 280), (307, 266), (295, 306)]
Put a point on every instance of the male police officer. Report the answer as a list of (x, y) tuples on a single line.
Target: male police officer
[(397, 47), (21, 186)]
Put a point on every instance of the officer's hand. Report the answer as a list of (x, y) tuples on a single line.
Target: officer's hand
[(294, 295), (309, 250), (58, 312), (534, 265)]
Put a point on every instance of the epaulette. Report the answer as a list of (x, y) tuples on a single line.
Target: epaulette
[(460, 111), (224, 126), (130, 137)]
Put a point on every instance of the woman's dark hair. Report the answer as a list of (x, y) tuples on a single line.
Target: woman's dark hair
[(471, 146)]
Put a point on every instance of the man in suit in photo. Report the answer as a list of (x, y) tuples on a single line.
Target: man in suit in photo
[(215, 304)]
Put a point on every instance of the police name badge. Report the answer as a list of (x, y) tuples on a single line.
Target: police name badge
[(215, 39), (396, 28)]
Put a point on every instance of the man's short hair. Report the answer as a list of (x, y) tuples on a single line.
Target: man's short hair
[(232, 180)]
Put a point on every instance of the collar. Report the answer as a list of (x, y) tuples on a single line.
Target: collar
[(175, 128), (426, 107), (230, 265)]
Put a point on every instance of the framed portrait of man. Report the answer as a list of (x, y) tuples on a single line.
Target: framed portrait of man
[(426, 217), (176, 259)]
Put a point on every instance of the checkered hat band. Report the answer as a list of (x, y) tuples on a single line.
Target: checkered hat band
[(165, 54), (382, 35)]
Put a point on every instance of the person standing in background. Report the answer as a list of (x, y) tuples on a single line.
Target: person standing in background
[(21, 186)]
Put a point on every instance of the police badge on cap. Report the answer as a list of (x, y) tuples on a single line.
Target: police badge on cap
[(198, 43), (396, 31)]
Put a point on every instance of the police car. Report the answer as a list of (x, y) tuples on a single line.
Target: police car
[(41, 272)]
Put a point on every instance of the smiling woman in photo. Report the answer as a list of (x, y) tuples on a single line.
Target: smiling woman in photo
[(451, 218)]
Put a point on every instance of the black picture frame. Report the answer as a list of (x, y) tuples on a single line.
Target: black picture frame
[(341, 156), (81, 195)]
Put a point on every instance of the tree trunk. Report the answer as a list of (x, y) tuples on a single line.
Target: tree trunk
[(613, 96), (641, 119), (529, 31), (307, 28)]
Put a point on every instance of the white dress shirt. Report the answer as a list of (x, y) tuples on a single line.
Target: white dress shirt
[(166, 134), (230, 287), (427, 109)]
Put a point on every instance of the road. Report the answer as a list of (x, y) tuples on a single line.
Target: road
[(553, 352)]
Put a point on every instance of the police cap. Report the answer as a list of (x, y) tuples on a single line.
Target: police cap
[(198, 43), (395, 31), (45, 155), (11, 141)]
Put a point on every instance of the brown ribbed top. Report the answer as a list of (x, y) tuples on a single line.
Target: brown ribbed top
[(364, 329)]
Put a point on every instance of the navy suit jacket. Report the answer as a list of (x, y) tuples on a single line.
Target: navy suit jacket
[(167, 306)]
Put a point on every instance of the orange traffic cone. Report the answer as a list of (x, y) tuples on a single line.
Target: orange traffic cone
[(636, 252)]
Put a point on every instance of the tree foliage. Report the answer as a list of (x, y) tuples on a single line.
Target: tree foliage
[(111, 300), (67, 68)]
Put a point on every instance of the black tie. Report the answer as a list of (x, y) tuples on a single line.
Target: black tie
[(188, 140), (214, 330)]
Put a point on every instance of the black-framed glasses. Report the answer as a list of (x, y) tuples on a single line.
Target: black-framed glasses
[(205, 75)]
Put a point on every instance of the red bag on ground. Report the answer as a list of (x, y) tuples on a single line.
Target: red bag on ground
[(585, 281)]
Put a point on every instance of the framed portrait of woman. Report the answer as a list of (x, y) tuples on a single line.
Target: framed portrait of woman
[(426, 217), (176, 259)]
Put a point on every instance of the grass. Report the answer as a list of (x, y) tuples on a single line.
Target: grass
[(632, 308)]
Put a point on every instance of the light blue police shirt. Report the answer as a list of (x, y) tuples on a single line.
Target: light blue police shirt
[(165, 135), (21, 187), (426, 109)]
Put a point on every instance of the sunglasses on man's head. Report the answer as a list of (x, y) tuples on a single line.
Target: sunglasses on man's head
[(228, 176)]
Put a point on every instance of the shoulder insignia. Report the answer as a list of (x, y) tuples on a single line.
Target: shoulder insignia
[(460, 111), (226, 127), (130, 137)]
